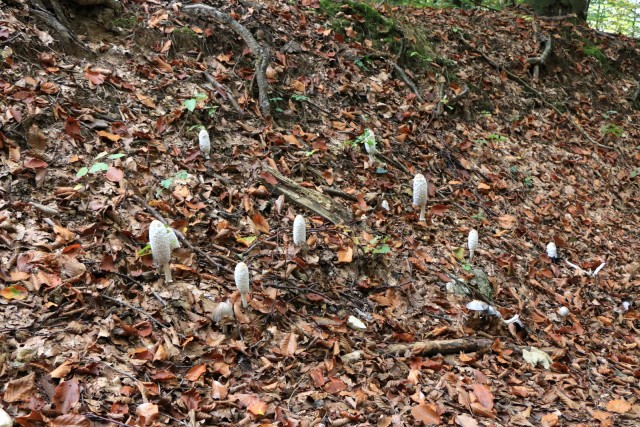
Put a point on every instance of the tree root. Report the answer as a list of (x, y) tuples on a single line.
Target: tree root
[(225, 92), (514, 77), (262, 53), (57, 23), (428, 348), (542, 59)]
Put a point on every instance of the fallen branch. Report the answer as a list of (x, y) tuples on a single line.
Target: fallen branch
[(262, 53), (532, 90), (134, 308), (339, 193), (427, 348), (225, 92), (407, 80), (181, 236), (309, 199)]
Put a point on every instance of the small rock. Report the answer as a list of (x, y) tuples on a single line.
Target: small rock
[(356, 324)]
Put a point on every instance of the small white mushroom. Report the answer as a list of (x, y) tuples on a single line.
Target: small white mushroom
[(223, 310), (552, 251), (205, 143), (420, 194), (563, 312), (299, 231), (242, 281), (473, 243), (356, 324), (161, 246), (173, 239), (385, 205), (370, 144)]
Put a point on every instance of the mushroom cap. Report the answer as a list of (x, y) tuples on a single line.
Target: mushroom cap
[(174, 241), (552, 251), (419, 190), (160, 240), (242, 277), (473, 239), (205, 142), (223, 310), (563, 311), (299, 230)]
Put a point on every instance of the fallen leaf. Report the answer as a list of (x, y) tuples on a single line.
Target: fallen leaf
[(507, 221), (260, 223), (465, 420), (549, 420), (426, 414), (20, 390), (619, 406), (66, 395), (289, 345), (148, 411), (218, 390), (252, 403), (483, 395), (70, 420), (114, 174), (14, 292), (196, 372), (345, 254)]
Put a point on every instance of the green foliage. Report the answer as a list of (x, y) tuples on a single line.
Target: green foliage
[(98, 166), (479, 216), (181, 175), (615, 16), (367, 138), (611, 129), (378, 245), (199, 101), (594, 52)]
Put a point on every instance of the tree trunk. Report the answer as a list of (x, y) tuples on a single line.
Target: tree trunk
[(561, 7)]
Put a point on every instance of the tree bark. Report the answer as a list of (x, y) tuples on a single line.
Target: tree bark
[(561, 7)]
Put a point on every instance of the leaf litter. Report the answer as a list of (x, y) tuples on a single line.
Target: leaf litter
[(92, 333)]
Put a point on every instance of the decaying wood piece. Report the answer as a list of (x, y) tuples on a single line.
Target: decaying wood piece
[(542, 59), (262, 53), (427, 348), (316, 202)]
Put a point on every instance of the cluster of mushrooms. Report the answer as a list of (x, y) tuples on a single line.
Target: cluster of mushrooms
[(163, 240)]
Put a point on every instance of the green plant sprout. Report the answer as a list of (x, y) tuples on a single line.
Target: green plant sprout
[(98, 166)]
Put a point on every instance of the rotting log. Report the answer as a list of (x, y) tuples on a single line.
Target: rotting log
[(429, 348), (262, 53), (316, 202)]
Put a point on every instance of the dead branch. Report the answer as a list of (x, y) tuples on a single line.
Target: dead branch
[(181, 236), (512, 76), (224, 92), (262, 53), (427, 348), (407, 80), (309, 199), (338, 193)]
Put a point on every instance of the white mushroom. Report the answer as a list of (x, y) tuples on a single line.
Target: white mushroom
[(473, 243), (242, 281), (563, 312), (420, 194), (385, 205), (552, 251), (205, 143), (223, 310), (5, 419), (173, 239), (160, 241), (299, 231)]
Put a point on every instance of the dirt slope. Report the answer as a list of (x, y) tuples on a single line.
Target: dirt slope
[(91, 332)]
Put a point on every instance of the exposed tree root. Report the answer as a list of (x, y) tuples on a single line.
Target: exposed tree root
[(498, 67), (427, 348), (542, 59), (262, 53), (225, 92), (58, 23)]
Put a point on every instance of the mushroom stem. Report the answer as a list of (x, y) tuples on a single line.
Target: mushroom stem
[(372, 159), (422, 212), (470, 255), (244, 300), (167, 272)]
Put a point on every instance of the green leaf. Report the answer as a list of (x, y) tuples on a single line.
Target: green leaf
[(384, 249), (247, 241), (190, 104), (116, 156), (182, 175), (145, 251), (82, 172), (458, 253), (97, 167), (166, 183)]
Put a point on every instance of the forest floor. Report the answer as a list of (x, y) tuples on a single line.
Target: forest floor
[(97, 143)]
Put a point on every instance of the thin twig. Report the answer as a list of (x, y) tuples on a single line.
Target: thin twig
[(134, 308)]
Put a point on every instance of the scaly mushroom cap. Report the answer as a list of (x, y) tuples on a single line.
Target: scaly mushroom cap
[(473, 240), (205, 142), (160, 240), (299, 230), (552, 251), (419, 190), (174, 241), (223, 310), (242, 281)]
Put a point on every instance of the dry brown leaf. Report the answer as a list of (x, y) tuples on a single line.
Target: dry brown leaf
[(465, 420), (426, 414), (62, 370), (148, 411), (549, 420), (289, 345), (483, 395), (252, 403), (70, 420), (66, 395), (507, 221), (345, 255), (218, 390), (196, 372), (619, 406), (20, 390)]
